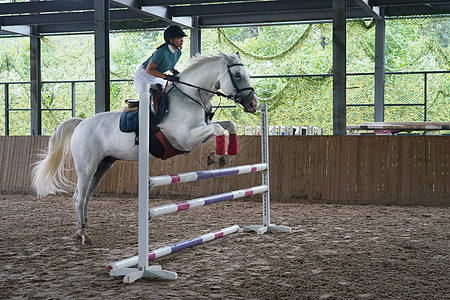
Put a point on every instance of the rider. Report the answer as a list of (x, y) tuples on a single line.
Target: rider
[(151, 73)]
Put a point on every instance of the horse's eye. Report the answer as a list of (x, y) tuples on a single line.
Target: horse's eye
[(237, 76)]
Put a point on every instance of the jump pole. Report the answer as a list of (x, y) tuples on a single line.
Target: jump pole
[(208, 174), (176, 207), (166, 250)]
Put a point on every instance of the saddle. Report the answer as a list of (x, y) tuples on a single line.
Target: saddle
[(158, 102), (129, 122)]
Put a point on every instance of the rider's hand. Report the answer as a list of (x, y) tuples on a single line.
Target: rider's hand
[(175, 72), (172, 78)]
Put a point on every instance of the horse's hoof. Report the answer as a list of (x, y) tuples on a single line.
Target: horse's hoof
[(86, 241), (211, 159), (222, 161), (77, 237)]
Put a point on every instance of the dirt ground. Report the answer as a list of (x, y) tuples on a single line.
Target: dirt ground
[(333, 252)]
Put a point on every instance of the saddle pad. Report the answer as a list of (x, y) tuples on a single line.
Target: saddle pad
[(129, 121), (159, 145)]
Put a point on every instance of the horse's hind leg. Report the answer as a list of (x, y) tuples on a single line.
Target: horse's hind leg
[(79, 197), (85, 190), (105, 165)]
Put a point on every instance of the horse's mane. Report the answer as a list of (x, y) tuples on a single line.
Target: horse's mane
[(199, 59)]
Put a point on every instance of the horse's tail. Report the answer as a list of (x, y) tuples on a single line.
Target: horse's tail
[(48, 173)]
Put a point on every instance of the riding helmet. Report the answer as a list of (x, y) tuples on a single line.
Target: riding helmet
[(172, 32)]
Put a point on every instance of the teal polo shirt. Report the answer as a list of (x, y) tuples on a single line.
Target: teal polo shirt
[(164, 59)]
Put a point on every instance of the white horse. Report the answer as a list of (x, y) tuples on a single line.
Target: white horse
[(96, 142)]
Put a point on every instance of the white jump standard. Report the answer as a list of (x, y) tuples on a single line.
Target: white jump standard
[(122, 268), (265, 180)]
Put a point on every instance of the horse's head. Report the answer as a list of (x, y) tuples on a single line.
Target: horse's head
[(236, 82)]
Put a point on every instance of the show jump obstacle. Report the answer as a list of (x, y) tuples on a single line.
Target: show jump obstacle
[(123, 267)]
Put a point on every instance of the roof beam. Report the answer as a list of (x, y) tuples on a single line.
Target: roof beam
[(45, 6), (74, 17), (184, 2), (435, 9), (311, 15), (268, 7), (21, 29), (163, 13), (89, 27), (374, 11), (407, 2)]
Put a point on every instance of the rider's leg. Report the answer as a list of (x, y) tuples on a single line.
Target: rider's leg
[(156, 91)]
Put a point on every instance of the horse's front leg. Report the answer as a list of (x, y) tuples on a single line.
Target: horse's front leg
[(220, 155), (202, 134)]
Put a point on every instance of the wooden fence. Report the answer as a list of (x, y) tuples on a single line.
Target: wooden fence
[(395, 170)]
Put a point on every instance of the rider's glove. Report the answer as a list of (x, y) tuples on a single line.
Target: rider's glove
[(175, 72), (172, 78)]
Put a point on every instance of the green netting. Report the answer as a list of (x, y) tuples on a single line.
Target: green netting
[(19, 122), (51, 120), (420, 44)]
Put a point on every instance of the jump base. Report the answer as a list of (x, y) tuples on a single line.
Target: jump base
[(263, 229), (153, 272)]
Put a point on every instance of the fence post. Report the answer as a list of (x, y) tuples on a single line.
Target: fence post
[(425, 97), (6, 109)]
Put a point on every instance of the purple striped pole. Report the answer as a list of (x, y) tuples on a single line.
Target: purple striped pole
[(129, 262), (200, 175), (176, 207)]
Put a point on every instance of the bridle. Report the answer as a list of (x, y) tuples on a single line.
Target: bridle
[(236, 97)]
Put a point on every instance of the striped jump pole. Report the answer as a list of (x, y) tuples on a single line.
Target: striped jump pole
[(208, 174), (176, 207), (116, 267)]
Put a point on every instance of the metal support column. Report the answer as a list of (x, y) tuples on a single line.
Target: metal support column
[(196, 38), (379, 70), (36, 82), (102, 84), (339, 66)]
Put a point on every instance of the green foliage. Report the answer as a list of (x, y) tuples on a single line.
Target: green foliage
[(411, 45), (14, 59)]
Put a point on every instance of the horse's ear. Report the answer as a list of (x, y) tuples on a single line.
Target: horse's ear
[(237, 53), (227, 57)]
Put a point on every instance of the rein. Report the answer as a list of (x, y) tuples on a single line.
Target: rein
[(236, 98), (208, 112), (206, 90)]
